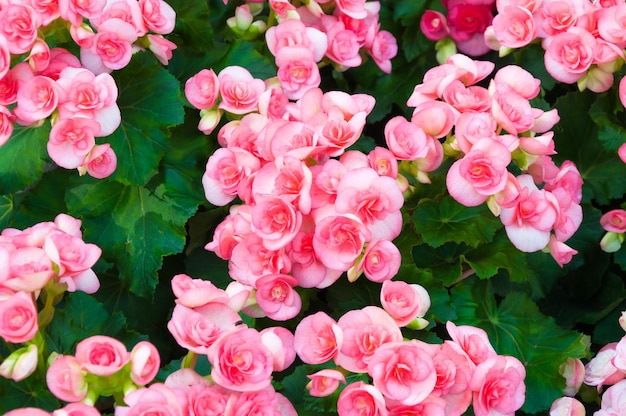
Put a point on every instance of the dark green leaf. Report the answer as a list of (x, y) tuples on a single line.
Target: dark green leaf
[(488, 259), (516, 327), (6, 210), (243, 54), (445, 221), (444, 261), (30, 392), (23, 158), (150, 102)]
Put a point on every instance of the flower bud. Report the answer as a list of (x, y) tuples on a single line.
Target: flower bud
[(611, 242), (20, 364)]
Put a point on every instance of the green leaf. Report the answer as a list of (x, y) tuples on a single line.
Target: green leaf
[(150, 102), (516, 327), (244, 54), (576, 137), (6, 210), (488, 259), (445, 221), (23, 158), (80, 316), (31, 392), (444, 261), (134, 226), (607, 112)]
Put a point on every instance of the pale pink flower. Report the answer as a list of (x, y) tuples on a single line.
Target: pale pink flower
[(614, 220), (161, 48), (126, 10), (359, 398), (37, 98), (158, 16), (384, 48), (27, 411), (404, 301), (306, 267), (20, 364), (228, 233), (111, 48), (75, 10), (560, 251), (71, 139), (197, 329), (101, 355), (48, 10), (402, 371), (339, 240), (510, 110), (276, 296), (275, 221), (293, 32), (463, 98), (353, 8), (383, 162), (611, 25), (19, 26), (600, 370), (226, 172), (380, 261), (430, 406), (473, 341), (337, 134), (239, 90), (205, 400), (498, 386), (324, 382), (433, 25), (18, 318), (529, 221), (76, 409), (613, 400), (273, 102), (343, 46), (144, 363), (280, 342), (473, 126), (6, 124), (66, 380), (436, 118), (196, 292), (514, 27), (317, 338), (250, 260), (297, 71), (240, 361), (39, 56), (567, 406), (71, 254), (522, 81), (569, 55), (202, 90), (364, 330), (158, 399), (573, 370), (101, 161), (406, 140), (264, 401), (289, 178), (29, 269)]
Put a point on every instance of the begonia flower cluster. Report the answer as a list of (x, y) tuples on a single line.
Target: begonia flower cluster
[(48, 257), (465, 24), (101, 366), (583, 40), (486, 129), (77, 94)]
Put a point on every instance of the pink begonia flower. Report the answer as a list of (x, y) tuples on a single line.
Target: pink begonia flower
[(384, 48), (284, 138), (240, 361), (610, 24), (538, 145), (317, 338), (161, 48), (337, 134), (276, 296), (619, 361), (473, 341), (529, 222), (472, 126), (29, 270), (436, 118), (66, 380), (479, 174), (600, 370), (281, 8), (203, 399), (112, 47), (573, 370), (275, 221), (144, 363), (324, 382), (522, 81), (250, 261), (343, 46), (280, 342), (18, 318), (498, 386), (404, 301), (128, 11), (569, 55), (406, 140), (339, 240), (197, 329), (196, 292), (202, 90), (6, 124), (226, 171), (614, 220), (402, 371), (293, 32), (74, 10), (288, 178), (364, 330), (380, 261), (383, 162), (434, 25), (71, 254), (430, 406), (71, 139), (622, 98), (39, 56), (60, 59), (273, 102), (20, 364), (375, 200), (306, 267), (27, 411), (19, 26), (359, 398), (101, 161), (613, 400), (76, 409), (158, 399), (353, 8), (326, 177), (567, 406), (560, 251), (48, 11), (158, 16), (253, 403), (514, 27), (467, 24), (239, 90), (101, 355), (228, 233), (37, 98), (511, 110), (463, 98), (297, 71)]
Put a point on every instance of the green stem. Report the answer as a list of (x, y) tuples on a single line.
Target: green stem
[(190, 360)]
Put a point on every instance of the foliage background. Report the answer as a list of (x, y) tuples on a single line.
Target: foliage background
[(151, 218)]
